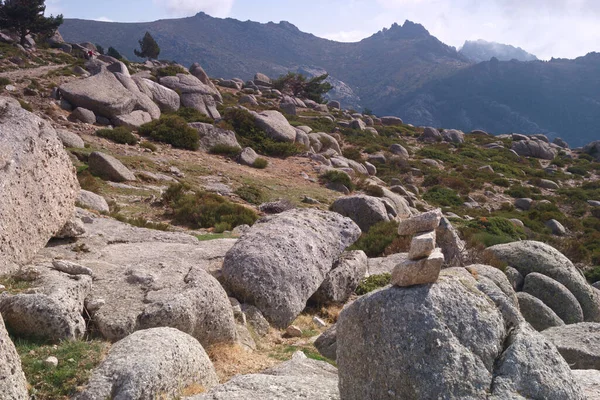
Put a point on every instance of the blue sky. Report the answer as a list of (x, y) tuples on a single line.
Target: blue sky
[(546, 28)]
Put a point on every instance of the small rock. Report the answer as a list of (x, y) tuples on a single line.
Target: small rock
[(422, 246), (523, 203), (556, 227), (293, 331), (51, 362), (319, 322), (421, 223), (2, 288), (71, 268), (420, 272)]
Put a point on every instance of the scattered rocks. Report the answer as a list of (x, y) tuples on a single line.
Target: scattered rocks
[(151, 363), (270, 268), (399, 150), (326, 343), (556, 227), (523, 203), (109, 168), (554, 295), (366, 211), (391, 121), (70, 139), (275, 125), (534, 148), (248, 157), (51, 362), (431, 135), (211, 136)]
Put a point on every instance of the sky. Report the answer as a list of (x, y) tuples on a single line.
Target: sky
[(546, 28)]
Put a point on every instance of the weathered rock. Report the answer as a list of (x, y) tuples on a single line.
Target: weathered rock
[(299, 378), (262, 79), (529, 256), (109, 168), (322, 142), (326, 343), (199, 73), (343, 279), (202, 102), (84, 115), (554, 295), (431, 135), (548, 184), (449, 241), (365, 211), (71, 268), (424, 222), (72, 229), (538, 314), (497, 277), (284, 258), (13, 385), (561, 143), (143, 100), (256, 320), (593, 149), (70, 139), (248, 99), (399, 150), (589, 380), (53, 313), (92, 201), (248, 157), (385, 265), (39, 186), (579, 344), (534, 148), (293, 331), (422, 245), (391, 121), (371, 169), (133, 120), (453, 136), (189, 84), (275, 125), (358, 124), (101, 93), (149, 364), (515, 278), (523, 203), (556, 227), (167, 99), (419, 272), (211, 136), (409, 342)]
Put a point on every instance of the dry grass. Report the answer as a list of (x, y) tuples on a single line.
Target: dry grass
[(193, 390), (231, 360)]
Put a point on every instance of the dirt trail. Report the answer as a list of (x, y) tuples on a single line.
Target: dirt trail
[(30, 72)]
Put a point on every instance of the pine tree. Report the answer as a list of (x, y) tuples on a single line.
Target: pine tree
[(112, 52), (27, 16), (100, 49), (148, 46)]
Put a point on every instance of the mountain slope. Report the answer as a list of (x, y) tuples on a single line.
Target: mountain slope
[(559, 97), (392, 61), (481, 50)]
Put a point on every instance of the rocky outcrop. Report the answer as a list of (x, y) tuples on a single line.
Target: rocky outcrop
[(538, 314), (283, 259), (39, 186), (554, 295), (133, 120), (166, 99), (343, 279), (299, 378), (275, 125), (109, 168), (579, 344), (194, 93), (534, 148), (53, 311), (211, 136), (102, 93), (365, 211), (321, 142), (13, 385), (409, 342), (589, 380), (149, 364), (529, 257)]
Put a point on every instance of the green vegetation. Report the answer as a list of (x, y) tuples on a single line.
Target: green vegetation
[(299, 86), (251, 194), (148, 47), (171, 70), (25, 17), (214, 236), (76, 360), (87, 181), (442, 196), (381, 240), (4, 81), (249, 135), (200, 209), (114, 53), (491, 231), (149, 145), (593, 275), (333, 176), (25, 105), (121, 135), (260, 163), (173, 130), (374, 190), (225, 150), (193, 115), (140, 222), (372, 283), (13, 284)]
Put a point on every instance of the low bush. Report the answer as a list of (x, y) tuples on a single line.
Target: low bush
[(225, 150), (491, 231), (121, 135), (333, 176), (374, 190), (352, 153), (443, 197), (193, 115), (171, 70), (372, 283), (149, 145), (87, 181), (593, 275), (173, 130), (378, 239), (260, 163), (4, 81), (200, 209), (25, 105), (251, 194), (578, 170)]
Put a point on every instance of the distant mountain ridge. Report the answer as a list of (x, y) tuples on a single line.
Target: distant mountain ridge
[(481, 50), (403, 71)]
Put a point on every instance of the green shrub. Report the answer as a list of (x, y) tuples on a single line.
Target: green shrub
[(173, 130), (593, 275), (374, 190), (503, 182), (206, 210), (491, 231), (251, 194), (443, 197), (260, 163), (120, 135), (249, 135), (149, 145), (4, 81), (577, 170), (375, 242), (171, 70), (140, 222), (372, 283), (333, 176), (352, 153), (87, 181), (226, 150), (519, 192), (193, 115), (25, 105)]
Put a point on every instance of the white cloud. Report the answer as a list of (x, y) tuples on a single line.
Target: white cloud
[(103, 19), (346, 36), (184, 8), (53, 8)]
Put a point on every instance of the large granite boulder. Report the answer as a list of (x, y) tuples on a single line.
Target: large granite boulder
[(13, 385), (151, 364), (275, 125), (211, 136), (408, 343), (343, 279), (101, 93), (579, 344), (296, 379), (538, 314), (39, 186), (530, 256), (534, 148), (143, 101), (107, 167), (194, 93), (365, 211), (554, 295), (283, 259), (167, 99)]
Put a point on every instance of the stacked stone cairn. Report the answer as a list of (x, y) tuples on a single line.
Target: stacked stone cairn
[(425, 260)]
